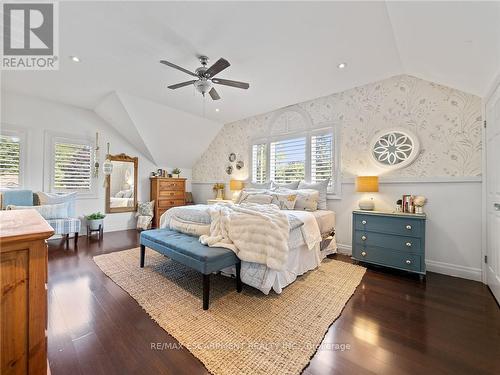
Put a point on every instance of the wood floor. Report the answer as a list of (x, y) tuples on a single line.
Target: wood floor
[(394, 324)]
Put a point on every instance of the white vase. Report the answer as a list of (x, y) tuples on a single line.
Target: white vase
[(220, 194)]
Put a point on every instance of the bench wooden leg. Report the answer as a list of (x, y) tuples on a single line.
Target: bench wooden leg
[(67, 241), (206, 291), (143, 254), (238, 277), (76, 239)]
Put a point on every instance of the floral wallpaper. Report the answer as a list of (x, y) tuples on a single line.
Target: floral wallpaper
[(446, 121)]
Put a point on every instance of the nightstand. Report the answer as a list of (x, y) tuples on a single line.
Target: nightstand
[(215, 201), (389, 239)]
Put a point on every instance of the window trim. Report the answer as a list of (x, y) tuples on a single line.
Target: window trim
[(335, 191), (21, 133), (50, 140)]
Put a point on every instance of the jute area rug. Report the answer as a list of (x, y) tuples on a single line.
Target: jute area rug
[(241, 333)]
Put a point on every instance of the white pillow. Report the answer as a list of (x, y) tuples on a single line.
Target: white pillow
[(256, 198), (307, 199), (55, 198), (248, 191), (128, 193), (294, 185), (120, 194), (321, 187), (48, 211), (285, 201), (252, 185)]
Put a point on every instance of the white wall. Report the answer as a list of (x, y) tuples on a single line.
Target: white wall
[(36, 116)]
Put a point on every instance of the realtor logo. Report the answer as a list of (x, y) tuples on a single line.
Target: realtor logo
[(30, 36)]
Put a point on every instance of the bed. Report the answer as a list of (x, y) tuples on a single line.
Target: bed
[(115, 202), (195, 220)]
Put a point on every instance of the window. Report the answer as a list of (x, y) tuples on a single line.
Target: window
[(10, 161), (72, 163), (321, 157), (311, 156), (259, 170), (288, 160)]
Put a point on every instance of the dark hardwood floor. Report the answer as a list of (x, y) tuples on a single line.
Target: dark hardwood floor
[(393, 324)]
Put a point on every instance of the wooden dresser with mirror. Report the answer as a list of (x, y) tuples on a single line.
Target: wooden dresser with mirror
[(167, 193)]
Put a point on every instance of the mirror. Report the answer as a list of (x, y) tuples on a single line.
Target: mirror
[(121, 186)]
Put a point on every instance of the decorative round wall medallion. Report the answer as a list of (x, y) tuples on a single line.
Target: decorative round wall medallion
[(229, 169), (232, 157), (394, 148), (240, 164)]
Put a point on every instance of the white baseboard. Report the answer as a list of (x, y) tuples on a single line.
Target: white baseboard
[(344, 249), (456, 270)]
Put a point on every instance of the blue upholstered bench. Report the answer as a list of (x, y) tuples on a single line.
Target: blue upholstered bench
[(189, 251)]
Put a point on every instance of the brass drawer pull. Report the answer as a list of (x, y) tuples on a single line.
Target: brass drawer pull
[(408, 244), (408, 261), (408, 227), (363, 222), (363, 253), (363, 238)]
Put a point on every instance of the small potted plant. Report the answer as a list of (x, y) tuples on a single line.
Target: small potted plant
[(176, 172), (94, 220)]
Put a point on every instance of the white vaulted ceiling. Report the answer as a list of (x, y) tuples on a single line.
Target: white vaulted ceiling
[(287, 51)]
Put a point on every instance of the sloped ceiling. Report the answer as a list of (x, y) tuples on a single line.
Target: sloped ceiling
[(287, 51)]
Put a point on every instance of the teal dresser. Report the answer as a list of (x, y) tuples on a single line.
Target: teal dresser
[(394, 240)]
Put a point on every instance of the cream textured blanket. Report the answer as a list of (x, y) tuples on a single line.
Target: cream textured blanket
[(256, 233)]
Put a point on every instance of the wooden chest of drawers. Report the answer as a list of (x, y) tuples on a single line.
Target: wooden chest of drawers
[(394, 240), (23, 270), (167, 193)]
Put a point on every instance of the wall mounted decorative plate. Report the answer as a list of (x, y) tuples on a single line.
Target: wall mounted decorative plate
[(229, 169), (240, 164), (394, 148), (232, 157)]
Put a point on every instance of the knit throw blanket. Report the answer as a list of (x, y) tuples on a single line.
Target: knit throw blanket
[(256, 233)]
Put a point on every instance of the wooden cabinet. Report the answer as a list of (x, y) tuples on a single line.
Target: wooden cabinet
[(394, 240), (167, 193), (23, 319)]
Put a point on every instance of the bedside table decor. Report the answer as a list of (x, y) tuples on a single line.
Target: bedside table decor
[(367, 184), (390, 239)]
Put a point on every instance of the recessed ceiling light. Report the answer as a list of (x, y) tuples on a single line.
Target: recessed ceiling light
[(341, 65), (217, 109), (75, 59)]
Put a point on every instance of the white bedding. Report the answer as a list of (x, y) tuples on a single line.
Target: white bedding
[(300, 258), (115, 202)]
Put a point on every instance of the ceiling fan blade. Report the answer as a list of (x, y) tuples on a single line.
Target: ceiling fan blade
[(228, 82), (178, 68), (182, 84), (213, 93), (218, 67)]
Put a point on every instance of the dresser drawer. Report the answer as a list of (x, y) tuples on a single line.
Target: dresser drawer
[(167, 203), (171, 194), (402, 226), (390, 258), (172, 185), (389, 241)]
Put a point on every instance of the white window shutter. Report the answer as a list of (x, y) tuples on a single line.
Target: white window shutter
[(72, 167), (10, 160), (288, 160)]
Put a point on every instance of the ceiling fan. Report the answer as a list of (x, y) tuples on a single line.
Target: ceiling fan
[(205, 77)]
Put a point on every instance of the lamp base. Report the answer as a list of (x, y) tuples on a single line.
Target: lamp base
[(366, 204)]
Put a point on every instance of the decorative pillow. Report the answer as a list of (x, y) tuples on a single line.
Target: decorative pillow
[(128, 193), (294, 185), (249, 191), (257, 198), (307, 199), (252, 185), (120, 194), (145, 209), (43, 198), (321, 187), (193, 229), (144, 222), (285, 201), (48, 211)]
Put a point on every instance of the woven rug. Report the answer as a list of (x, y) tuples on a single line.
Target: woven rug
[(241, 333)]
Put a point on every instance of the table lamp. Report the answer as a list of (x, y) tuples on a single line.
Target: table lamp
[(366, 184), (235, 186)]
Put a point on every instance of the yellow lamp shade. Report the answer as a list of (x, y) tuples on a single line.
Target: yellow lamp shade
[(367, 184), (235, 185)]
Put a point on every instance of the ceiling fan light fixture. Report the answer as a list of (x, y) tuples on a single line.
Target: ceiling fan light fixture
[(203, 85)]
